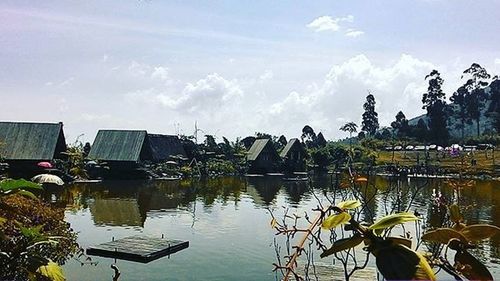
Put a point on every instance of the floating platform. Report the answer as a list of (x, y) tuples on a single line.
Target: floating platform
[(138, 248)]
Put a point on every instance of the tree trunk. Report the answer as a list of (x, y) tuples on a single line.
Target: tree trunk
[(478, 129)]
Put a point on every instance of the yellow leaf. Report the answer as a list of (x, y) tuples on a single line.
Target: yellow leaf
[(273, 223), (335, 220), (392, 220), (52, 271), (443, 235), (455, 215), (349, 204), (458, 226), (2, 220), (361, 179), (424, 270), (343, 244), (477, 232)]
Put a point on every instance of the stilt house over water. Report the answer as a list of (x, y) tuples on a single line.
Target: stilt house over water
[(23, 145), (262, 157), (166, 147), (293, 156), (121, 149)]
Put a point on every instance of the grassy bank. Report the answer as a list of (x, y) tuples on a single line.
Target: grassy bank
[(486, 162)]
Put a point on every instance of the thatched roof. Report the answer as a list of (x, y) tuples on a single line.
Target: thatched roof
[(119, 145), (257, 147), (31, 141), (289, 146), (163, 147)]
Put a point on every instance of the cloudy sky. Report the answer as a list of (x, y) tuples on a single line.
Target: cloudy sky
[(234, 67)]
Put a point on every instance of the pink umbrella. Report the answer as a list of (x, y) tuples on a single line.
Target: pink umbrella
[(46, 165)]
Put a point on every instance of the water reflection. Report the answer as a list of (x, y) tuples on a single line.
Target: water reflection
[(140, 204)]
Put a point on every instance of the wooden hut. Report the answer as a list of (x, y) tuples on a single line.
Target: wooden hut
[(166, 147), (23, 145), (121, 150), (262, 157), (293, 156)]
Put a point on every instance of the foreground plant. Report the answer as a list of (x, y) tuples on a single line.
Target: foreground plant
[(34, 239)]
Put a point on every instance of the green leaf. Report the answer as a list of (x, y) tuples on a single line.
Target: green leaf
[(343, 244), (478, 232), (2, 221), (349, 204), (335, 220), (33, 233), (443, 235), (52, 271), (27, 194), (392, 220), (455, 215), (11, 184)]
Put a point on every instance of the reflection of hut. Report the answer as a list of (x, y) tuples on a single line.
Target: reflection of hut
[(121, 149), (165, 147), (23, 145), (293, 156), (262, 157), (263, 190), (116, 212)]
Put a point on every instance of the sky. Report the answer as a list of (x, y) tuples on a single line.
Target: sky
[(233, 67)]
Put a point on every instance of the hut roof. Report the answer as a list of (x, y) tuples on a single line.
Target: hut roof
[(288, 147), (31, 141), (257, 147), (118, 145), (165, 146)]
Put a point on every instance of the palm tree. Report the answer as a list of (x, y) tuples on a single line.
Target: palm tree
[(350, 127)]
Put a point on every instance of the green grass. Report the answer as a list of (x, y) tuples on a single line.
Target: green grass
[(485, 162)]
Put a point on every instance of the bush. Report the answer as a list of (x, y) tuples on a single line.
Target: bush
[(32, 234)]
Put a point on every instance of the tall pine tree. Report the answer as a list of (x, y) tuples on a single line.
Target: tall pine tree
[(494, 108), (370, 117), (475, 97), (460, 109), (434, 102)]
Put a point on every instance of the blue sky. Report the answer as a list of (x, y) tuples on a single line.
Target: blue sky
[(234, 67)]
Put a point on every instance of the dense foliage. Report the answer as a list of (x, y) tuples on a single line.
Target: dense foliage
[(34, 239)]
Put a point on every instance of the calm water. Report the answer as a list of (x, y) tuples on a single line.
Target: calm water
[(226, 222)]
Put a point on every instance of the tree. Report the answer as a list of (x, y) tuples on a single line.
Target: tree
[(308, 136), (434, 102), (401, 125), (370, 117), (494, 108), (460, 109), (351, 128), (248, 142), (320, 140), (474, 99), (282, 141)]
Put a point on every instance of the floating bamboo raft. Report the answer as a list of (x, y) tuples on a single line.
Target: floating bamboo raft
[(138, 248)]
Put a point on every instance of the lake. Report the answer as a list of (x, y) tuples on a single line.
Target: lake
[(227, 221)]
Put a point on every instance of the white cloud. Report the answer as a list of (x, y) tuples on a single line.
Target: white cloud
[(342, 93), (161, 73), (138, 69), (354, 33), (267, 75), (497, 61), (327, 23), (203, 95)]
